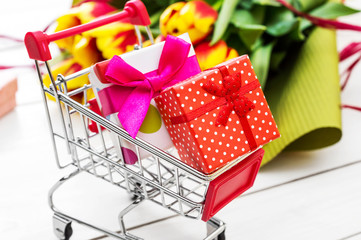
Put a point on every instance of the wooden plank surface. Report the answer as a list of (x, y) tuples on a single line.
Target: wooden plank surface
[(324, 206)]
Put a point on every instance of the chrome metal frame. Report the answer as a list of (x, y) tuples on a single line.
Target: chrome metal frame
[(160, 178)]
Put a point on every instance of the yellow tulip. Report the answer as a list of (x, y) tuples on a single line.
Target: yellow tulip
[(66, 68), (83, 48), (85, 51), (195, 17), (79, 15), (210, 56), (114, 39)]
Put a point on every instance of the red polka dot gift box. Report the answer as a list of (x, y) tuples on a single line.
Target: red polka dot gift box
[(218, 115)]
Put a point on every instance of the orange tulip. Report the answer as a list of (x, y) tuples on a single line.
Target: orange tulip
[(210, 56), (195, 17)]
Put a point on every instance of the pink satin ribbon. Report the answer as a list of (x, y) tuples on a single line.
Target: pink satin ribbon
[(132, 91)]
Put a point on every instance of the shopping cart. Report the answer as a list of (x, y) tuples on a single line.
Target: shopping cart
[(160, 178)]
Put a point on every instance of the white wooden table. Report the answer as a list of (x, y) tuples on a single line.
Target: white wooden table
[(300, 195)]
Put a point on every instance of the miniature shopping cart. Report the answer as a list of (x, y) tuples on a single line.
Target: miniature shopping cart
[(160, 178)]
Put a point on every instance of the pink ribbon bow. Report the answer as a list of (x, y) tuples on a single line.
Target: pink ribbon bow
[(132, 91)]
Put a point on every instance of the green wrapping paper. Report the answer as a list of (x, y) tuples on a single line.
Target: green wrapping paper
[(305, 97)]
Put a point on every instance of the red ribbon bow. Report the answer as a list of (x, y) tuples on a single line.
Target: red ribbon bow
[(232, 96), (231, 91)]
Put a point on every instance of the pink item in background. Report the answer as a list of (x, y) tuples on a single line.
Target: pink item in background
[(8, 88)]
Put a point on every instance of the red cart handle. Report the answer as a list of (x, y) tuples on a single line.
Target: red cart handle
[(37, 43)]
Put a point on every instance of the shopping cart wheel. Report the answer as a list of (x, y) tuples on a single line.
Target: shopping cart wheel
[(222, 236), (62, 227), (137, 191)]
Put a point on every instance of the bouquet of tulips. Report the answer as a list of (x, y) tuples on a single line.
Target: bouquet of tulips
[(291, 45)]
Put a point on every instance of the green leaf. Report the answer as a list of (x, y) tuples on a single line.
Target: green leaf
[(276, 59), (154, 6), (246, 4), (296, 4), (233, 41), (117, 4), (333, 10), (282, 28), (224, 17), (242, 17), (297, 34), (306, 5), (154, 19), (258, 13), (261, 61), (213, 2), (216, 5), (267, 3), (330, 10), (155, 31), (249, 25), (249, 34), (229, 31), (280, 21)]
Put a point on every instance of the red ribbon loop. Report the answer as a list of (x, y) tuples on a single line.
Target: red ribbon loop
[(231, 91), (231, 94)]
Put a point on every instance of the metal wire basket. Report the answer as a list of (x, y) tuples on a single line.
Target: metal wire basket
[(160, 178)]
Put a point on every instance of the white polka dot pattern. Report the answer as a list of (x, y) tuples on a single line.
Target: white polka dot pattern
[(200, 143)]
